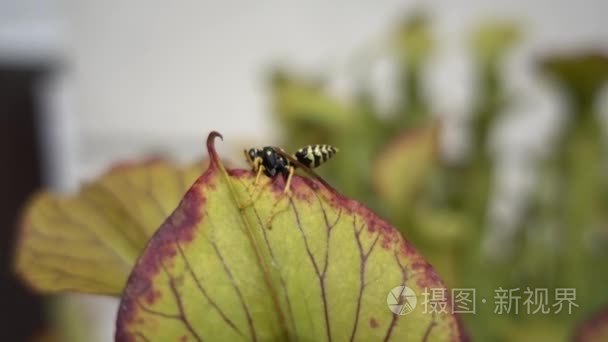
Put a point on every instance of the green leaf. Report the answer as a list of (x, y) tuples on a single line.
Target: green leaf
[(401, 168), (582, 75), (299, 101), (493, 38), (215, 271), (89, 242), (413, 39)]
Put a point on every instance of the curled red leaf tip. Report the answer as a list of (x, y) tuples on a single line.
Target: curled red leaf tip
[(211, 147)]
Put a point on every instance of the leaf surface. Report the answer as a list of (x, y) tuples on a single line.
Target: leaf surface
[(324, 272), (89, 242)]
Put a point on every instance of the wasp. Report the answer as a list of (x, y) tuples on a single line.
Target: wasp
[(273, 161)]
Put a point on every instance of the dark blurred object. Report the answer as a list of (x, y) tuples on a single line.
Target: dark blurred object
[(20, 311), (594, 328)]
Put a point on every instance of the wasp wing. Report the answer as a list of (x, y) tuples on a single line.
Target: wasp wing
[(307, 169)]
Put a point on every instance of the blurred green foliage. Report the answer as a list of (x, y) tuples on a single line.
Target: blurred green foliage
[(393, 163)]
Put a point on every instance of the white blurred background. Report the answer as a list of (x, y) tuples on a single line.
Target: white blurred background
[(129, 78), (149, 75)]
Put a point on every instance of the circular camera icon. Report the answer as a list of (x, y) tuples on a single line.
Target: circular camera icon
[(401, 300)]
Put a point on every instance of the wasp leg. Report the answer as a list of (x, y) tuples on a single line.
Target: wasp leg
[(289, 176), (286, 192), (253, 192), (261, 169)]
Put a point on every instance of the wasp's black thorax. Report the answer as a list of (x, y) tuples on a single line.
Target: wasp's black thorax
[(273, 162)]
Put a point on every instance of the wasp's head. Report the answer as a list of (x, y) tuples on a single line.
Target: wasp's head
[(253, 157)]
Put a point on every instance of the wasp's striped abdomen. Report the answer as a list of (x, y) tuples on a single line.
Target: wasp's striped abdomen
[(315, 155)]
